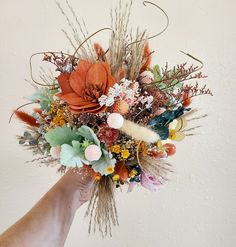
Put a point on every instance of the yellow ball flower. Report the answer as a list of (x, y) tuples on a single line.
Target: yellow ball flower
[(143, 149), (133, 173), (116, 177), (125, 154), (97, 177), (116, 149), (172, 134), (110, 169)]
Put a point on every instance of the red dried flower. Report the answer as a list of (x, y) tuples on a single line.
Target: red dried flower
[(108, 135)]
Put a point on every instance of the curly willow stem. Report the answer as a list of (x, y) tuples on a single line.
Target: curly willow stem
[(31, 66), (18, 108), (89, 37), (137, 153), (161, 32), (194, 58)]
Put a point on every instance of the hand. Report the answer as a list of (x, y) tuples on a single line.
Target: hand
[(78, 181)]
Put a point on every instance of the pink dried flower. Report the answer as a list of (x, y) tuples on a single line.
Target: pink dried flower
[(150, 182), (146, 77)]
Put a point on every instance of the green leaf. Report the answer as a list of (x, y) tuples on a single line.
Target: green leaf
[(45, 97), (163, 131), (69, 157), (88, 134), (176, 84), (61, 135), (79, 148), (161, 85), (157, 73), (105, 161)]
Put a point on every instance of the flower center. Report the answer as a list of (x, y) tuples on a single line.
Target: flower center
[(93, 92)]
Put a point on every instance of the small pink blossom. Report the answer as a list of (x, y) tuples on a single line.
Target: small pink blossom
[(150, 182), (93, 153), (55, 152), (147, 77)]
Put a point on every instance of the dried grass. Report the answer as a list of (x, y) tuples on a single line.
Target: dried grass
[(102, 208), (79, 33)]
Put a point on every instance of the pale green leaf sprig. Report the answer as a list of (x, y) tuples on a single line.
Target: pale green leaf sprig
[(158, 78), (44, 96), (104, 162), (157, 73), (71, 156), (73, 143)]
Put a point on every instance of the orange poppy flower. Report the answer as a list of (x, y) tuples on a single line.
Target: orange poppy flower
[(83, 87)]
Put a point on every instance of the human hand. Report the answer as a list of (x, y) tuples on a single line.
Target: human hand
[(79, 183)]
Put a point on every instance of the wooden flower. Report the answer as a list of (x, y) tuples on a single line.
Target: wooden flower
[(82, 88)]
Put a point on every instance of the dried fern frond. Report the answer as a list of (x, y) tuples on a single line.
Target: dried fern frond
[(102, 208)]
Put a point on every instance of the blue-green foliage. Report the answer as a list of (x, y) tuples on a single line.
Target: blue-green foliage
[(160, 123), (44, 96), (73, 143), (61, 135)]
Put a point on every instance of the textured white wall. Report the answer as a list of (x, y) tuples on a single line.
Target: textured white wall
[(197, 208)]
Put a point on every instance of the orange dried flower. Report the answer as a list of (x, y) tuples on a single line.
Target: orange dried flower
[(99, 51), (121, 106), (122, 171), (82, 88), (146, 58)]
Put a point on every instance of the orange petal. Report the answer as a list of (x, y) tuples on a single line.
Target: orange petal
[(85, 105), (63, 80), (146, 58), (93, 110), (70, 98), (122, 170), (78, 77), (97, 75), (100, 52)]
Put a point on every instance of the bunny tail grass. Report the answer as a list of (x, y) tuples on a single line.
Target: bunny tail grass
[(139, 133)]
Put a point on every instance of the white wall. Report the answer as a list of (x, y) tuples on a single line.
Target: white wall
[(197, 208)]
